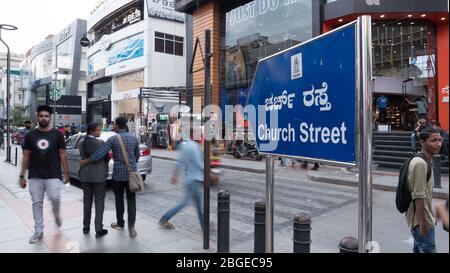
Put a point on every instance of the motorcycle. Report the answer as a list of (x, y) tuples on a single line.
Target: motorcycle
[(246, 149)]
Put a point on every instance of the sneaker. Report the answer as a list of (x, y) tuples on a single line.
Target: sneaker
[(101, 233), (37, 236), (117, 226), (86, 230), (132, 232), (166, 224)]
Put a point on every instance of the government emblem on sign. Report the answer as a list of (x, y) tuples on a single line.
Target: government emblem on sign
[(296, 66)]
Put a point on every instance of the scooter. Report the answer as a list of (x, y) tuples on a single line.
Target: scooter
[(246, 149)]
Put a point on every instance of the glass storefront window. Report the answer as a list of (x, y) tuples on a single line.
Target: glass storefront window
[(257, 30), (101, 90), (41, 95), (406, 51), (118, 20), (64, 62), (97, 62), (42, 66), (97, 112), (130, 81)]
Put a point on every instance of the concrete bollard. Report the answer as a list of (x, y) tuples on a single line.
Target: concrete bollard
[(223, 221), (260, 226), (302, 233), (348, 245)]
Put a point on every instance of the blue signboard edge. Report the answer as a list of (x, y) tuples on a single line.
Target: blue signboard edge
[(329, 162)]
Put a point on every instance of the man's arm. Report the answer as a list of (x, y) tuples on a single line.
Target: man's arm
[(25, 164), (418, 188), (63, 157), (409, 102), (442, 214), (179, 165), (420, 213), (99, 154), (418, 127)]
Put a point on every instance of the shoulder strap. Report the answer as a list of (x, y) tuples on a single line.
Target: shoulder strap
[(428, 164), (124, 152)]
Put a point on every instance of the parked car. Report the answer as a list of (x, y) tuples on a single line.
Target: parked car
[(144, 165), (17, 135)]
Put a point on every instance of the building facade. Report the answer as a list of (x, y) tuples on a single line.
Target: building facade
[(16, 93), (58, 61), (410, 45), (134, 44)]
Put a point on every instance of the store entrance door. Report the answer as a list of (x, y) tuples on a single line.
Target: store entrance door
[(399, 114)]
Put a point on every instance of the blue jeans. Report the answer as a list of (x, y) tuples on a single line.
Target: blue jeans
[(193, 192), (424, 244)]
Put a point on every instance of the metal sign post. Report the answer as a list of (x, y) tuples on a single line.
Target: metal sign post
[(207, 147), (55, 95), (270, 194), (364, 121), (302, 96)]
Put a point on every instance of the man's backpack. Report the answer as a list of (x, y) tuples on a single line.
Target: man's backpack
[(403, 197)]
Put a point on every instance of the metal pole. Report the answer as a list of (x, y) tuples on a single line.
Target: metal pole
[(54, 109), (437, 171), (207, 147), (8, 87), (270, 202), (8, 106), (140, 106), (364, 98), (54, 91)]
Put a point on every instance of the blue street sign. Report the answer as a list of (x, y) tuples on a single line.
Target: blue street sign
[(311, 88)]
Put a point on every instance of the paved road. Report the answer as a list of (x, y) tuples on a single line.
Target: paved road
[(333, 209)]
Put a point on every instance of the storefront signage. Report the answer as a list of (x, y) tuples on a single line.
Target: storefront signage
[(256, 8), (164, 9), (130, 94), (68, 105), (64, 34), (129, 19), (97, 99), (311, 92), (105, 42)]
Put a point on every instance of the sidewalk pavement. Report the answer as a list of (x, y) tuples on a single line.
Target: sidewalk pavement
[(17, 224), (382, 179)]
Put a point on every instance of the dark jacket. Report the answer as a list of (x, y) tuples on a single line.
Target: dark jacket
[(93, 172)]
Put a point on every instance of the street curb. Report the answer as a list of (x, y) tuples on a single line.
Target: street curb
[(437, 193), (229, 167)]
